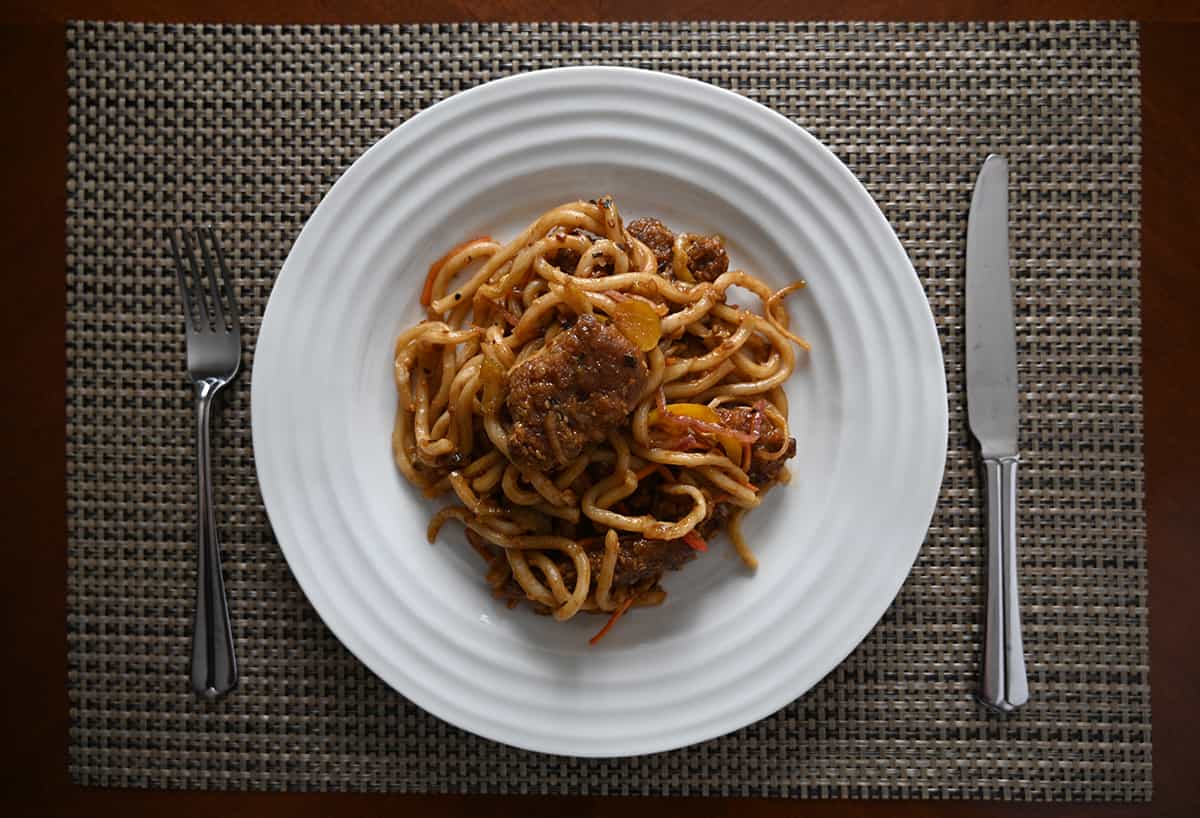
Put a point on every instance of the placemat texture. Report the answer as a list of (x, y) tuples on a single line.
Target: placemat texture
[(249, 126)]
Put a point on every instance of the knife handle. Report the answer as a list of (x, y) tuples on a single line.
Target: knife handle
[(1004, 686)]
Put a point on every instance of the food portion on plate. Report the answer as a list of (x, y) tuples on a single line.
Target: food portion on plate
[(594, 403)]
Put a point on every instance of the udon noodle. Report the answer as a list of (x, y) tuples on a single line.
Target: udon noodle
[(594, 404)]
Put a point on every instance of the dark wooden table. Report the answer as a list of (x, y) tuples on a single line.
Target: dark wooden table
[(32, 260)]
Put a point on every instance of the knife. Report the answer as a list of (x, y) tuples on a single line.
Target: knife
[(992, 414)]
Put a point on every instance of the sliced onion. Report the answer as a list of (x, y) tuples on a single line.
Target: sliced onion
[(709, 423)]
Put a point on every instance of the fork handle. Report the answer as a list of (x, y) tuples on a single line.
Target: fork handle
[(214, 668), (1004, 685)]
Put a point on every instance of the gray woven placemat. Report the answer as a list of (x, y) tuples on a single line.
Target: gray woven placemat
[(249, 126)]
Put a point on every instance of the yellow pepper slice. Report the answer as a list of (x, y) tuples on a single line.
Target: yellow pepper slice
[(638, 322)]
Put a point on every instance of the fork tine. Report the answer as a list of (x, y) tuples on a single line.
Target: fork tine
[(197, 277), (214, 291), (226, 285), (185, 294)]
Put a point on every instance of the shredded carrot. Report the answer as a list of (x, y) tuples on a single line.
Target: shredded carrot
[(695, 541), (436, 267), (746, 458), (612, 620)]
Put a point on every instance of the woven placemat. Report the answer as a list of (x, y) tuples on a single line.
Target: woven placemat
[(249, 126)]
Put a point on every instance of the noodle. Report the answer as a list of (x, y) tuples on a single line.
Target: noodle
[(617, 506)]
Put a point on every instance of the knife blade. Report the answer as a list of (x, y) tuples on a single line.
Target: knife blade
[(991, 333), (992, 415)]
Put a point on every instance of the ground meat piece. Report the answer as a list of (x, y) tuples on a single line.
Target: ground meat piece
[(565, 259), (763, 471), (718, 515), (642, 559), (638, 560), (655, 235), (572, 393), (671, 507), (707, 258)]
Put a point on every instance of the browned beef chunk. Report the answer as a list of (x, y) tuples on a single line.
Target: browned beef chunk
[(565, 259), (707, 258), (763, 471), (638, 560), (655, 235), (572, 393)]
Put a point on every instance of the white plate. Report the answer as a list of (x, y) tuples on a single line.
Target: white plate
[(728, 648)]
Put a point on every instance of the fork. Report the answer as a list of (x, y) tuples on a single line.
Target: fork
[(214, 351)]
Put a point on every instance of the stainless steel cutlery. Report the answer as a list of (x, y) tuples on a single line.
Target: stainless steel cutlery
[(992, 414), (214, 351)]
